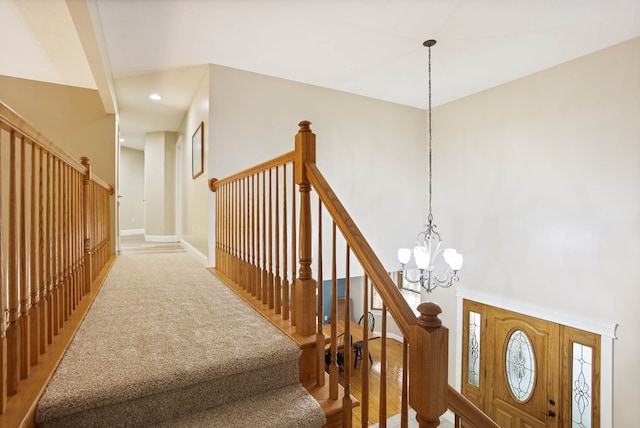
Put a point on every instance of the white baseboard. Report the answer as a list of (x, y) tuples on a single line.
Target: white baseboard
[(129, 232), (191, 249), (160, 238)]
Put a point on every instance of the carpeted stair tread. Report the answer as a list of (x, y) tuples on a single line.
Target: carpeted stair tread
[(288, 407), (164, 338)]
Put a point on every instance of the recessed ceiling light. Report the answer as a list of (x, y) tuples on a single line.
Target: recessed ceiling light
[(155, 97), (122, 140)]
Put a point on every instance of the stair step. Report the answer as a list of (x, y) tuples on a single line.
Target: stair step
[(288, 407), (182, 351)]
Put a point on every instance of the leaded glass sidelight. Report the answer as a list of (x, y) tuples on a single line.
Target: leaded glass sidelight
[(520, 365), (581, 386), (473, 375)]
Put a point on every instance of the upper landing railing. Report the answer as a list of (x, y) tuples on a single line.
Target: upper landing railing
[(54, 240), (267, 228)]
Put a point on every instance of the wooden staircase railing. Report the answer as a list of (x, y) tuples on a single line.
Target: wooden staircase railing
[(262, 225), (54, 241)]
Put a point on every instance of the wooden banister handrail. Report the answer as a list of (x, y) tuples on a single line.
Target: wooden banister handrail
[(55, 238), (275, 162), (467, 411), (244, 258), (385, 286)]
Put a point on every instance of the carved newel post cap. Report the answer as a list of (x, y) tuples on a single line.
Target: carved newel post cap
[(429, 312), (85, 160), (304, 126), (212, 184)]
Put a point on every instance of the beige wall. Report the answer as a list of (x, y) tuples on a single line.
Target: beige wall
[(536, 182), (73, 118), (193, 194), (361, 147), (159, 186), (538, 185), (131, 180)]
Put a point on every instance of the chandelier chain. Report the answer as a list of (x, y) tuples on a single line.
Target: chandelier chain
[(430, 218)]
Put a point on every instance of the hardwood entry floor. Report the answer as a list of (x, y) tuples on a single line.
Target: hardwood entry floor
[(394, 387)]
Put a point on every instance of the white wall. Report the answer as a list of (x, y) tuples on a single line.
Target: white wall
[(366, 148), (536, 182), (159, 181), (538, 185), (194, 194), (131, 183)]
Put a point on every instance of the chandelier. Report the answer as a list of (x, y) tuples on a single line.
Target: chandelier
[(429, 243)]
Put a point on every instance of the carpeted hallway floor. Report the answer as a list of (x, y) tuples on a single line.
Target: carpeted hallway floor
[(165, 343)]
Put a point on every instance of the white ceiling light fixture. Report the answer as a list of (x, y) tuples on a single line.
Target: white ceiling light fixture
[(428, 249), (155, 97)]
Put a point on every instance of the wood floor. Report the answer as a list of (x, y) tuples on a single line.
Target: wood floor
[(393, 382), (393, 386)]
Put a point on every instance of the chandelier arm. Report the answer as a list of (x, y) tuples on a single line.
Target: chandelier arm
[(405, 276)]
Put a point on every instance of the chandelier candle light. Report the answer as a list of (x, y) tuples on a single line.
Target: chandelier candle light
[(428, 249)]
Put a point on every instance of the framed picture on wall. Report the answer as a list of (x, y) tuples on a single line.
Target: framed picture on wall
[(197, 151)]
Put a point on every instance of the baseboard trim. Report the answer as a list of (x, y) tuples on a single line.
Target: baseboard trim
[(194, 251), (160, 238), (129, 232)]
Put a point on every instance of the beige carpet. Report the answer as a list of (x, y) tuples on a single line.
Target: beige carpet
[(165, 340)]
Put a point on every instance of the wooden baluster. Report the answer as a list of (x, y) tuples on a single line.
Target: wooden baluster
[(383, 370), (78, 236), (404, 411), (34, 257), (3, 306), (49, 250), (77, 241), (347, 405), (224, 211), (235, 232), (43, 257), (270, 290), (227, 230), (218, 232), (247, 235), (237, 236), (428, 366), (72, 241), (277, 280), (232, 230), (365, 354), (254, 276), (294, 246), (265, 249), (334, 370), (305, 288), (240, 232), (320, 340), (60, 256), (258, 264), (25, 325), (285, 245), (65, 244), (13, 328), (88, 229)]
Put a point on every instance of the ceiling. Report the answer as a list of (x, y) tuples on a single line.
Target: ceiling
[(130, 49)]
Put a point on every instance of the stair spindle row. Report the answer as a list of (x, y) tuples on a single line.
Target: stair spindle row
[(50, 231)]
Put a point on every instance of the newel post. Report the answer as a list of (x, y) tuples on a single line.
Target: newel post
[(428, 366), (305, 285), (86, 218)]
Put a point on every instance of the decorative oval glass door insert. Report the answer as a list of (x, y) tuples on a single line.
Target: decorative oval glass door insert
[(520, 365)]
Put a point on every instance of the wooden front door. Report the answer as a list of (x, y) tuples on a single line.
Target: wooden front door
[(524, 365), (527, 372)]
